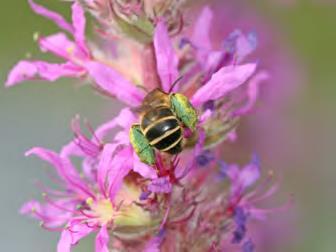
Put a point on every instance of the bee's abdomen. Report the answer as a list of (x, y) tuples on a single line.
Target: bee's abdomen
[(162, 130)]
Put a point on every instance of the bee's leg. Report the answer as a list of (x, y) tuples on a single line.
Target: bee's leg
[(184, 110), (141, 145)]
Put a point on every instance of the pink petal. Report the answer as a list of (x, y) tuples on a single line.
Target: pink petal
[(105, 165), (252, 92), (120, 166), (71, 149), (64, 244), (50, 214), (201, 31), (65, 170), (114, 84), (26, 70), (205, 116), (91, 148), (222, 82), (240, 45), (89, 168), (144, 170), (249, 175), (22, 71), (166, 59), (233, 172), (58, 44), (102, 240), (55, 17), (72, 234), (211, 60), (30, 206), (125, 119), (122, 138), (78, 21), (244, 47)]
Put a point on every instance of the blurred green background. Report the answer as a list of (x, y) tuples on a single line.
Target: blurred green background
[(39, 114)]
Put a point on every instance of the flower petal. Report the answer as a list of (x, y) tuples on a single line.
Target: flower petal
[(102, 240), (79, 21), (65, 170), (144, 170), (166, 59), (222, 82), (120, 166), (28, 70), (240, 45), (232, 171), (125, 119), (104, 165), (52, 214), (114, 84), (249, 175), (91, 148), (30, 206), (252, 92), (72, 234), (71, 149), (201, 31), (53, 16), (24, 70), (64, 244), (58, 44)]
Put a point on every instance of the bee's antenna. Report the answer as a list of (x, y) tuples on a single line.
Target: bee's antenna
[(175, 82)]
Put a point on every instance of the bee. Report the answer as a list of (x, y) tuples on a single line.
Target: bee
[(163, 118)]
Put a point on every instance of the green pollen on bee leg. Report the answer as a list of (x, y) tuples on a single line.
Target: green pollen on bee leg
[(141, 145), (184, 110)]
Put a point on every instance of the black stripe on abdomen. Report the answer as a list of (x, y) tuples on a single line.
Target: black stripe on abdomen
[(157, 130), (169, 140)]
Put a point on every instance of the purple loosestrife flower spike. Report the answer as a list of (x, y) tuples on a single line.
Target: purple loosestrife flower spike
[(193, 201)]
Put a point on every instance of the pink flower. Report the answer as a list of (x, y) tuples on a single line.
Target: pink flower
[(86, 206), (79, 61), (76, 53), (242, 201), (214, 61)]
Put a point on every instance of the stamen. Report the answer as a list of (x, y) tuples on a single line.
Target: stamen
[(93, 133)]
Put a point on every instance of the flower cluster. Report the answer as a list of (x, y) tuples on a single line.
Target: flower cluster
[(193, 201)]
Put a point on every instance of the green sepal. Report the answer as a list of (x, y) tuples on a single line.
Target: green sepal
[(184, 110), (141, 145)]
